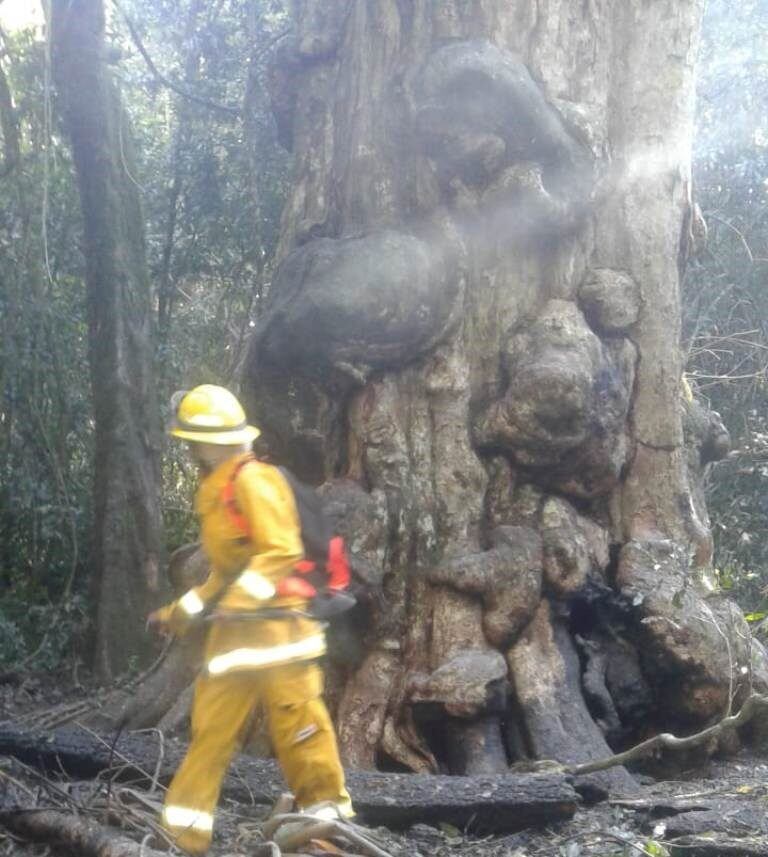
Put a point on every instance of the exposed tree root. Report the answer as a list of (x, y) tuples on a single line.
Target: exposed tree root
[(666, 741)]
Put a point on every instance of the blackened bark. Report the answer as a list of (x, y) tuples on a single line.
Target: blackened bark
[(489, 803)]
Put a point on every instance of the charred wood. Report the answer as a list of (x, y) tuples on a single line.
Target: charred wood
[(491, 803)]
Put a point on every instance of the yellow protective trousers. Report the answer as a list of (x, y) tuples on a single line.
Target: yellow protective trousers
[(300, 729)]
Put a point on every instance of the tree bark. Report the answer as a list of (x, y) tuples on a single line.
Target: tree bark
[(472, 341), (166, 286), (127, 518), (9, 127)]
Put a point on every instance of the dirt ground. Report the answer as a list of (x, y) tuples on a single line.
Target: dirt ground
[(718, 808)]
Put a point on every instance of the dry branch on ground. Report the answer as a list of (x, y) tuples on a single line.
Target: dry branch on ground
[(754, 704), (79, 834)]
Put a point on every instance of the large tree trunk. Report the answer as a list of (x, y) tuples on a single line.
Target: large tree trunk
[(473, 341), (127, 525)]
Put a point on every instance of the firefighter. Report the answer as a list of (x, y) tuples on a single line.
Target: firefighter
[(249, 660)]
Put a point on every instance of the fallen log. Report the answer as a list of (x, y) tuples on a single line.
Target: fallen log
[(487, 804), (77, 834)]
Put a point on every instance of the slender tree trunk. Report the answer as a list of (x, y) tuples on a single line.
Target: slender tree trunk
[(9, 128), (127, 518), (166, 285), (11, 155)]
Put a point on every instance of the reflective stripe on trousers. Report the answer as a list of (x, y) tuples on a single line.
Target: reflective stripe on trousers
[(222, 710), (187, 818), (330, 810), (245, 658)]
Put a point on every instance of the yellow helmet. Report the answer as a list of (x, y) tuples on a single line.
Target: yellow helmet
[(210, 414)]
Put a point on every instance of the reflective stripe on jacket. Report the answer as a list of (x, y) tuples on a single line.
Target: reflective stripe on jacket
[(245, 571)]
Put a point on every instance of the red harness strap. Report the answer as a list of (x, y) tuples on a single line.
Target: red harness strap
[(295, 585), (229, 501), (337, 565)]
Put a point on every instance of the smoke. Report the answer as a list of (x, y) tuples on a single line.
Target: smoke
[(732, 89), (20, 14)]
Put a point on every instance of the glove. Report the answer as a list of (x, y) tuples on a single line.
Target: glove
[(160, 620)]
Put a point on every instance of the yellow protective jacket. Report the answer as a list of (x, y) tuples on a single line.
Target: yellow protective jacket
[(245, 571)]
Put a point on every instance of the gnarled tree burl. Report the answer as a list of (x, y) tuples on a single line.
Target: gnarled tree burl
[(472, 341), (472, 344)]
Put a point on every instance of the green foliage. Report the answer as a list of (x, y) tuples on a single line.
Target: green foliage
[(725, 299), (45, 422), (35, 634), (655, 849), (212, 189), (213, 186)]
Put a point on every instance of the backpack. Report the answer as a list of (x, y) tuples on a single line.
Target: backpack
[(323, 575)]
